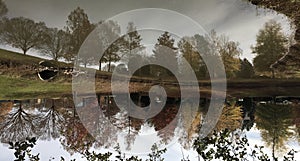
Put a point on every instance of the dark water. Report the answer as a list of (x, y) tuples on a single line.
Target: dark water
[(272, 122)]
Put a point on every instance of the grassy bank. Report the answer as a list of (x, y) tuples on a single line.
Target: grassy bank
[(19, 80), (20, 88), (14, 58)]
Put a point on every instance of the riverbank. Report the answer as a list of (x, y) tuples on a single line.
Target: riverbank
[(19, 80)]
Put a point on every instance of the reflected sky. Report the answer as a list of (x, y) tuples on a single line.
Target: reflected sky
[(55, 123)]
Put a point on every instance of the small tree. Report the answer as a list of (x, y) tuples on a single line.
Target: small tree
[(246, 70), (3, 8), (164, 50), (3, 11), (111, 43), (23, 33), (132, 40), (111, 55), (55, 44), (271, 44)]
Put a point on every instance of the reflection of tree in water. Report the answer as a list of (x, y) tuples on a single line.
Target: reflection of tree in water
[(75, 137), (134, 126), (296, 121), (165, 122), (248, 108), (128, 125), (105, 133), (191, 119), (51, 121), (97, 129), (189, 123), (274, 122), (5, 108), (18, 125), (122, 121), (231, 118)]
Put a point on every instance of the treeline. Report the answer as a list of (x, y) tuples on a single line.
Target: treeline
[(197, 50)]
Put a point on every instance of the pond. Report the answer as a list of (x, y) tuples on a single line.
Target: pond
[(273, 122)]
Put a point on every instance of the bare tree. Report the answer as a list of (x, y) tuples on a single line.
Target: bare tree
[(3, 8), (18, 125), (55, 43), (23, 33)]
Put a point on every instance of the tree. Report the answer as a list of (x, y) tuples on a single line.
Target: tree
[(23, 33), (296, 121), (189, 123), (51, 122), (137, 60), (3, 8), (55, 44), (109, 68), (88, 51), (18, 125), (229, 52), (230, 118), (271, 44), (246, 70), (221, 50), (165, 51), (165, 122), (132, 40), (111, 43), (206, 51), (78, 27), (187, 48), (290, 61), (3, 11), (111, 55), (75, 138), (274, 122)]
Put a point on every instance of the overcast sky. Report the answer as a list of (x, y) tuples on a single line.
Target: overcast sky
[(234, 18)]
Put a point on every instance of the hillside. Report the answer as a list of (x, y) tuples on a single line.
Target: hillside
[(19, 80)]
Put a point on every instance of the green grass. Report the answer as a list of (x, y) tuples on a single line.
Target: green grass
[(16, 59), (20, 88)]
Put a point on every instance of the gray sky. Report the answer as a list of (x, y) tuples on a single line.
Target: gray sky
[(234, 18)]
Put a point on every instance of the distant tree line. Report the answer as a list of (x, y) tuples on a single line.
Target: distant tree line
[(26, 34)]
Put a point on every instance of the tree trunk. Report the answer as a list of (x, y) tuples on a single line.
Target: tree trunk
[(129, 125), (100, 65), (273, 149), (109, 63)]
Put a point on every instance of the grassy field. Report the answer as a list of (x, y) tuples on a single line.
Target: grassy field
[(18, 79), (17, 58), (14, 59), (20, 88)]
